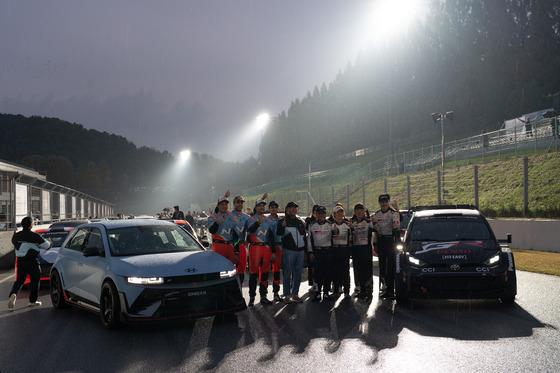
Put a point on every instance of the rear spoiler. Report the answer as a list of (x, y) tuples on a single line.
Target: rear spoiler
[(443, 207)]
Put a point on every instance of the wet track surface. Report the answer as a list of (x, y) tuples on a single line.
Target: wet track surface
[(334, 336)]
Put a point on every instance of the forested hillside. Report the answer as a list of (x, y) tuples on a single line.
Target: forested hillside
[(486, 60), (110, 167)]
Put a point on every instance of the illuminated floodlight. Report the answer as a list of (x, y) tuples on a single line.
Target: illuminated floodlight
[(390, 18), (263, 120), (184, 155)]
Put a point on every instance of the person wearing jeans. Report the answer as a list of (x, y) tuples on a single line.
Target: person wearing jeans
[(292, 230)]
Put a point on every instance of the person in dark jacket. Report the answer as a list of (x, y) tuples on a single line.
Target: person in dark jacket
[(292, 230), (177, 214), (27, 245)]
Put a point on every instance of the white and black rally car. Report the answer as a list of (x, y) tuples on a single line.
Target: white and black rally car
[(450, 252)]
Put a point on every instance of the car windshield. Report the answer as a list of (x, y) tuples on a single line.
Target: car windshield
[(56, 237), (449, 228), (152, 239)]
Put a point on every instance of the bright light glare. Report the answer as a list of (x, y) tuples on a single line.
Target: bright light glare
[(145, 280), (262, 120), (390, 18), (184, 155)]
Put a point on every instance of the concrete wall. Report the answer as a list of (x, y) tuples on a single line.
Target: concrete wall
[(543, 235), (7, 255)]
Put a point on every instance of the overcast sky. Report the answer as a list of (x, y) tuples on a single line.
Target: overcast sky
[(173, 74)]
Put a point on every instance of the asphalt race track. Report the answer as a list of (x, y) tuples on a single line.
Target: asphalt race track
[(337, 336)]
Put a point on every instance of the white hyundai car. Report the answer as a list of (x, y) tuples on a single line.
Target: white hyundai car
[(140, 270)]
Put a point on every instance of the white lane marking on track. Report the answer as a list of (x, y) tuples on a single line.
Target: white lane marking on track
[(8, 278)]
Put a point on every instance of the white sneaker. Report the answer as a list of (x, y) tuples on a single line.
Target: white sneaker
[(34, 304), (12, 302)]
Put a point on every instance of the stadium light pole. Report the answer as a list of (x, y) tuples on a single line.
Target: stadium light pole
[(441, 118)]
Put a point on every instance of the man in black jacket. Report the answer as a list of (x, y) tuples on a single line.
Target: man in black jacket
[(292, 230), (27, 245)]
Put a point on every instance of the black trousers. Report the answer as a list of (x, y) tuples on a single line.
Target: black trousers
[(342, 268), (324, 268), (362, 259), (386, 248), (28, 266)]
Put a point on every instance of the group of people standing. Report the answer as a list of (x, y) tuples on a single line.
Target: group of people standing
[(282, 243)]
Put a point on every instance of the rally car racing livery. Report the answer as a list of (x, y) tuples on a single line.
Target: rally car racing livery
[(451, 252)]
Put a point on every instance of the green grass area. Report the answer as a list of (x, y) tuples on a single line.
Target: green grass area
[(500, 187), (537, 261)]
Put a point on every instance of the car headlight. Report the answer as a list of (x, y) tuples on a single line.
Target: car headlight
[(399, 247), (145, 280), (228, 274), (493, 260), (415, 261)]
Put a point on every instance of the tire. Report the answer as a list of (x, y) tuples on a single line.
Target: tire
[(109, 306), (57, 292)]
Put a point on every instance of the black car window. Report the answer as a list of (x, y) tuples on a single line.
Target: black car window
[(94, 239), (449, 228), (77, 242), (152, 239)]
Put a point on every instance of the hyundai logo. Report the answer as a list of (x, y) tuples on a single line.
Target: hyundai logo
[(454, 267), (191, 270)]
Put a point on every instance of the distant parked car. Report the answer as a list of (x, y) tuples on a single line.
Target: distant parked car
[(142, 270), (47, 257), (451, 252)]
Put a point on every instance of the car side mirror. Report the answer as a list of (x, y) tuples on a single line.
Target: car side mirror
[(93, 251), (206, 244)]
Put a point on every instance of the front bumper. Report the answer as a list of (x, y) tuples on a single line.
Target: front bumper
[(455, 286), (170, 303)]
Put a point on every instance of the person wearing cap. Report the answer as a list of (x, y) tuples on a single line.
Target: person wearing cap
[(388, 221), (310, 267), (293, 234), (320, 247), (220, 226), (341, 246), (277, 263), (241, 223), (362, 250), (261, 252)]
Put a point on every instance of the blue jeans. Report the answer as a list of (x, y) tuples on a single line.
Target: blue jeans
[(292, 264)]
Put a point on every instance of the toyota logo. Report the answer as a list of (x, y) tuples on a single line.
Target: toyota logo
[(191, 270), (454, 267)]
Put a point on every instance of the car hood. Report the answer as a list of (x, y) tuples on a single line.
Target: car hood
[(171, 264), (454, 251), (48, 256)]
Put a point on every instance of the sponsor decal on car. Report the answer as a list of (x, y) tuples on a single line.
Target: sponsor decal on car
[(441, 246), (191, 270), (429, 270), (454, 267), (447, 257), (196, 293), (510, 261)]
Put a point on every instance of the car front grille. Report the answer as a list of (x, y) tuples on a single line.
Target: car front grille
[(189, 302)]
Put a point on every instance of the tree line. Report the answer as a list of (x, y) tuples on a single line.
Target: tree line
[(486, 60)]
